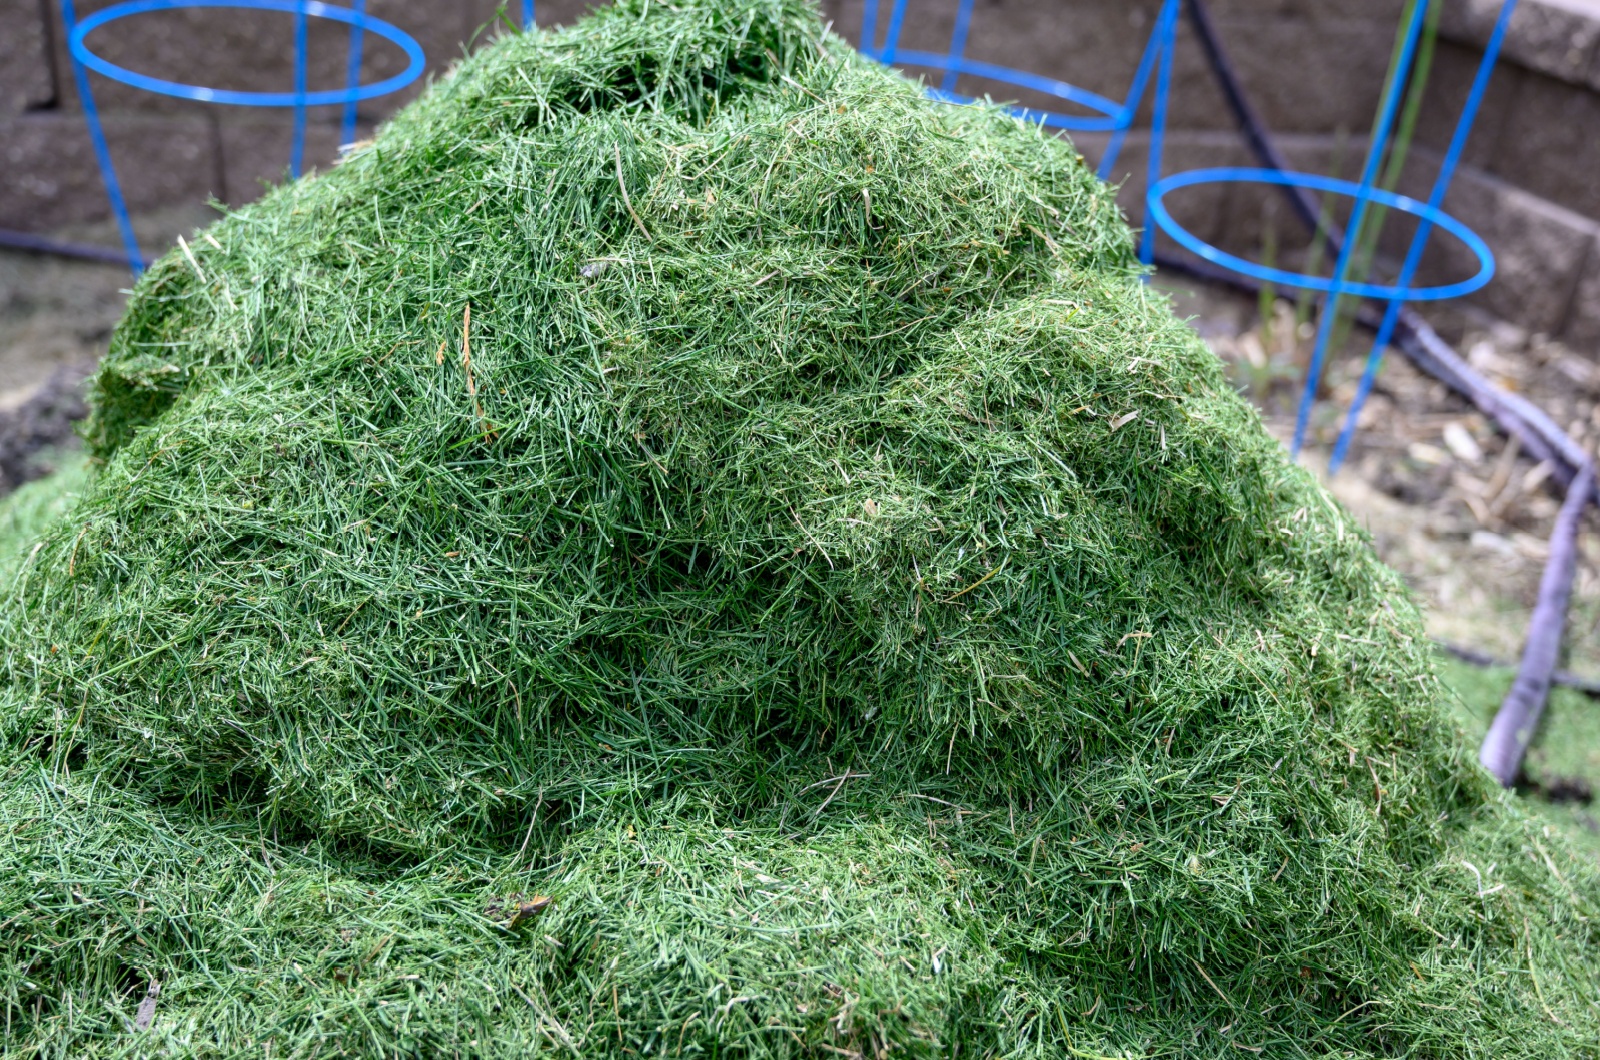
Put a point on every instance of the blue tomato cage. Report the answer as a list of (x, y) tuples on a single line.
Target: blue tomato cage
[(1404, 292), (299, 98), (1363, 193)]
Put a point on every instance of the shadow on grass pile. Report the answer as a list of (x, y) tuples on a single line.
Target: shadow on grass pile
[(678, 471)]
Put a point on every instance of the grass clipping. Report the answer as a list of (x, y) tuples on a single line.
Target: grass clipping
[(678, 472)]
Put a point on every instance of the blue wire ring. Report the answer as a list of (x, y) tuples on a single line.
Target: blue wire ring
[(1237, 175), (358, 20), (1115, 117)]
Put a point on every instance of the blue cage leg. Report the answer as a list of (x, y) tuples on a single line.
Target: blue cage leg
[(1369, 175), (102, 150), (298, 149), (1166, 34), (300, 99), (352, 77), (1419, 241)]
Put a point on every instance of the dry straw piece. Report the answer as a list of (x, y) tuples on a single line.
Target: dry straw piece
[(842, 593)]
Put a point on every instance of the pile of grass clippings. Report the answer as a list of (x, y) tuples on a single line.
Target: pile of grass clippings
[(679, 472)]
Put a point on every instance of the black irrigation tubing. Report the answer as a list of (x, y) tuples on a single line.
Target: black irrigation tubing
[(14, 240), (1589, 686), (1518, 716), (1250, 123), (1423, 346), (1513, 726), (1515, 413)]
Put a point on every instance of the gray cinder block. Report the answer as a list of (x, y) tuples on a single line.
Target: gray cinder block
[(26, 78)]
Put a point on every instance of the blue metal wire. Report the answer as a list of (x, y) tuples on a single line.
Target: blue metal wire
[(102, 152), (1369, 174), (1110, 115), (958, 45), (1419, 242), (1111, 109), (360, 23), (1429, 214), (869, 29), (1167, 33), (1141, 77), (529, 21), (298, 148), (891, 41), (79, 49), (352, 77)]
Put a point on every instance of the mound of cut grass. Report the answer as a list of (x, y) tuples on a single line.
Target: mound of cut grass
[(679, 471)]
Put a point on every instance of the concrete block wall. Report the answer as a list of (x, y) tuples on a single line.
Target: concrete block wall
[(169, 151), (26, 78), (1313, 68)]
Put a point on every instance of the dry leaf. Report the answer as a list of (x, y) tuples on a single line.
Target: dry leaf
[(528, 910), (147, 1007), (1460, 442)]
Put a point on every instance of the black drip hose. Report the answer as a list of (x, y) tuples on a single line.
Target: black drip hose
[(1518, 716), (14, 240), (1424, 348), (1565, 678), (1255, 130), (1513, 726)]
